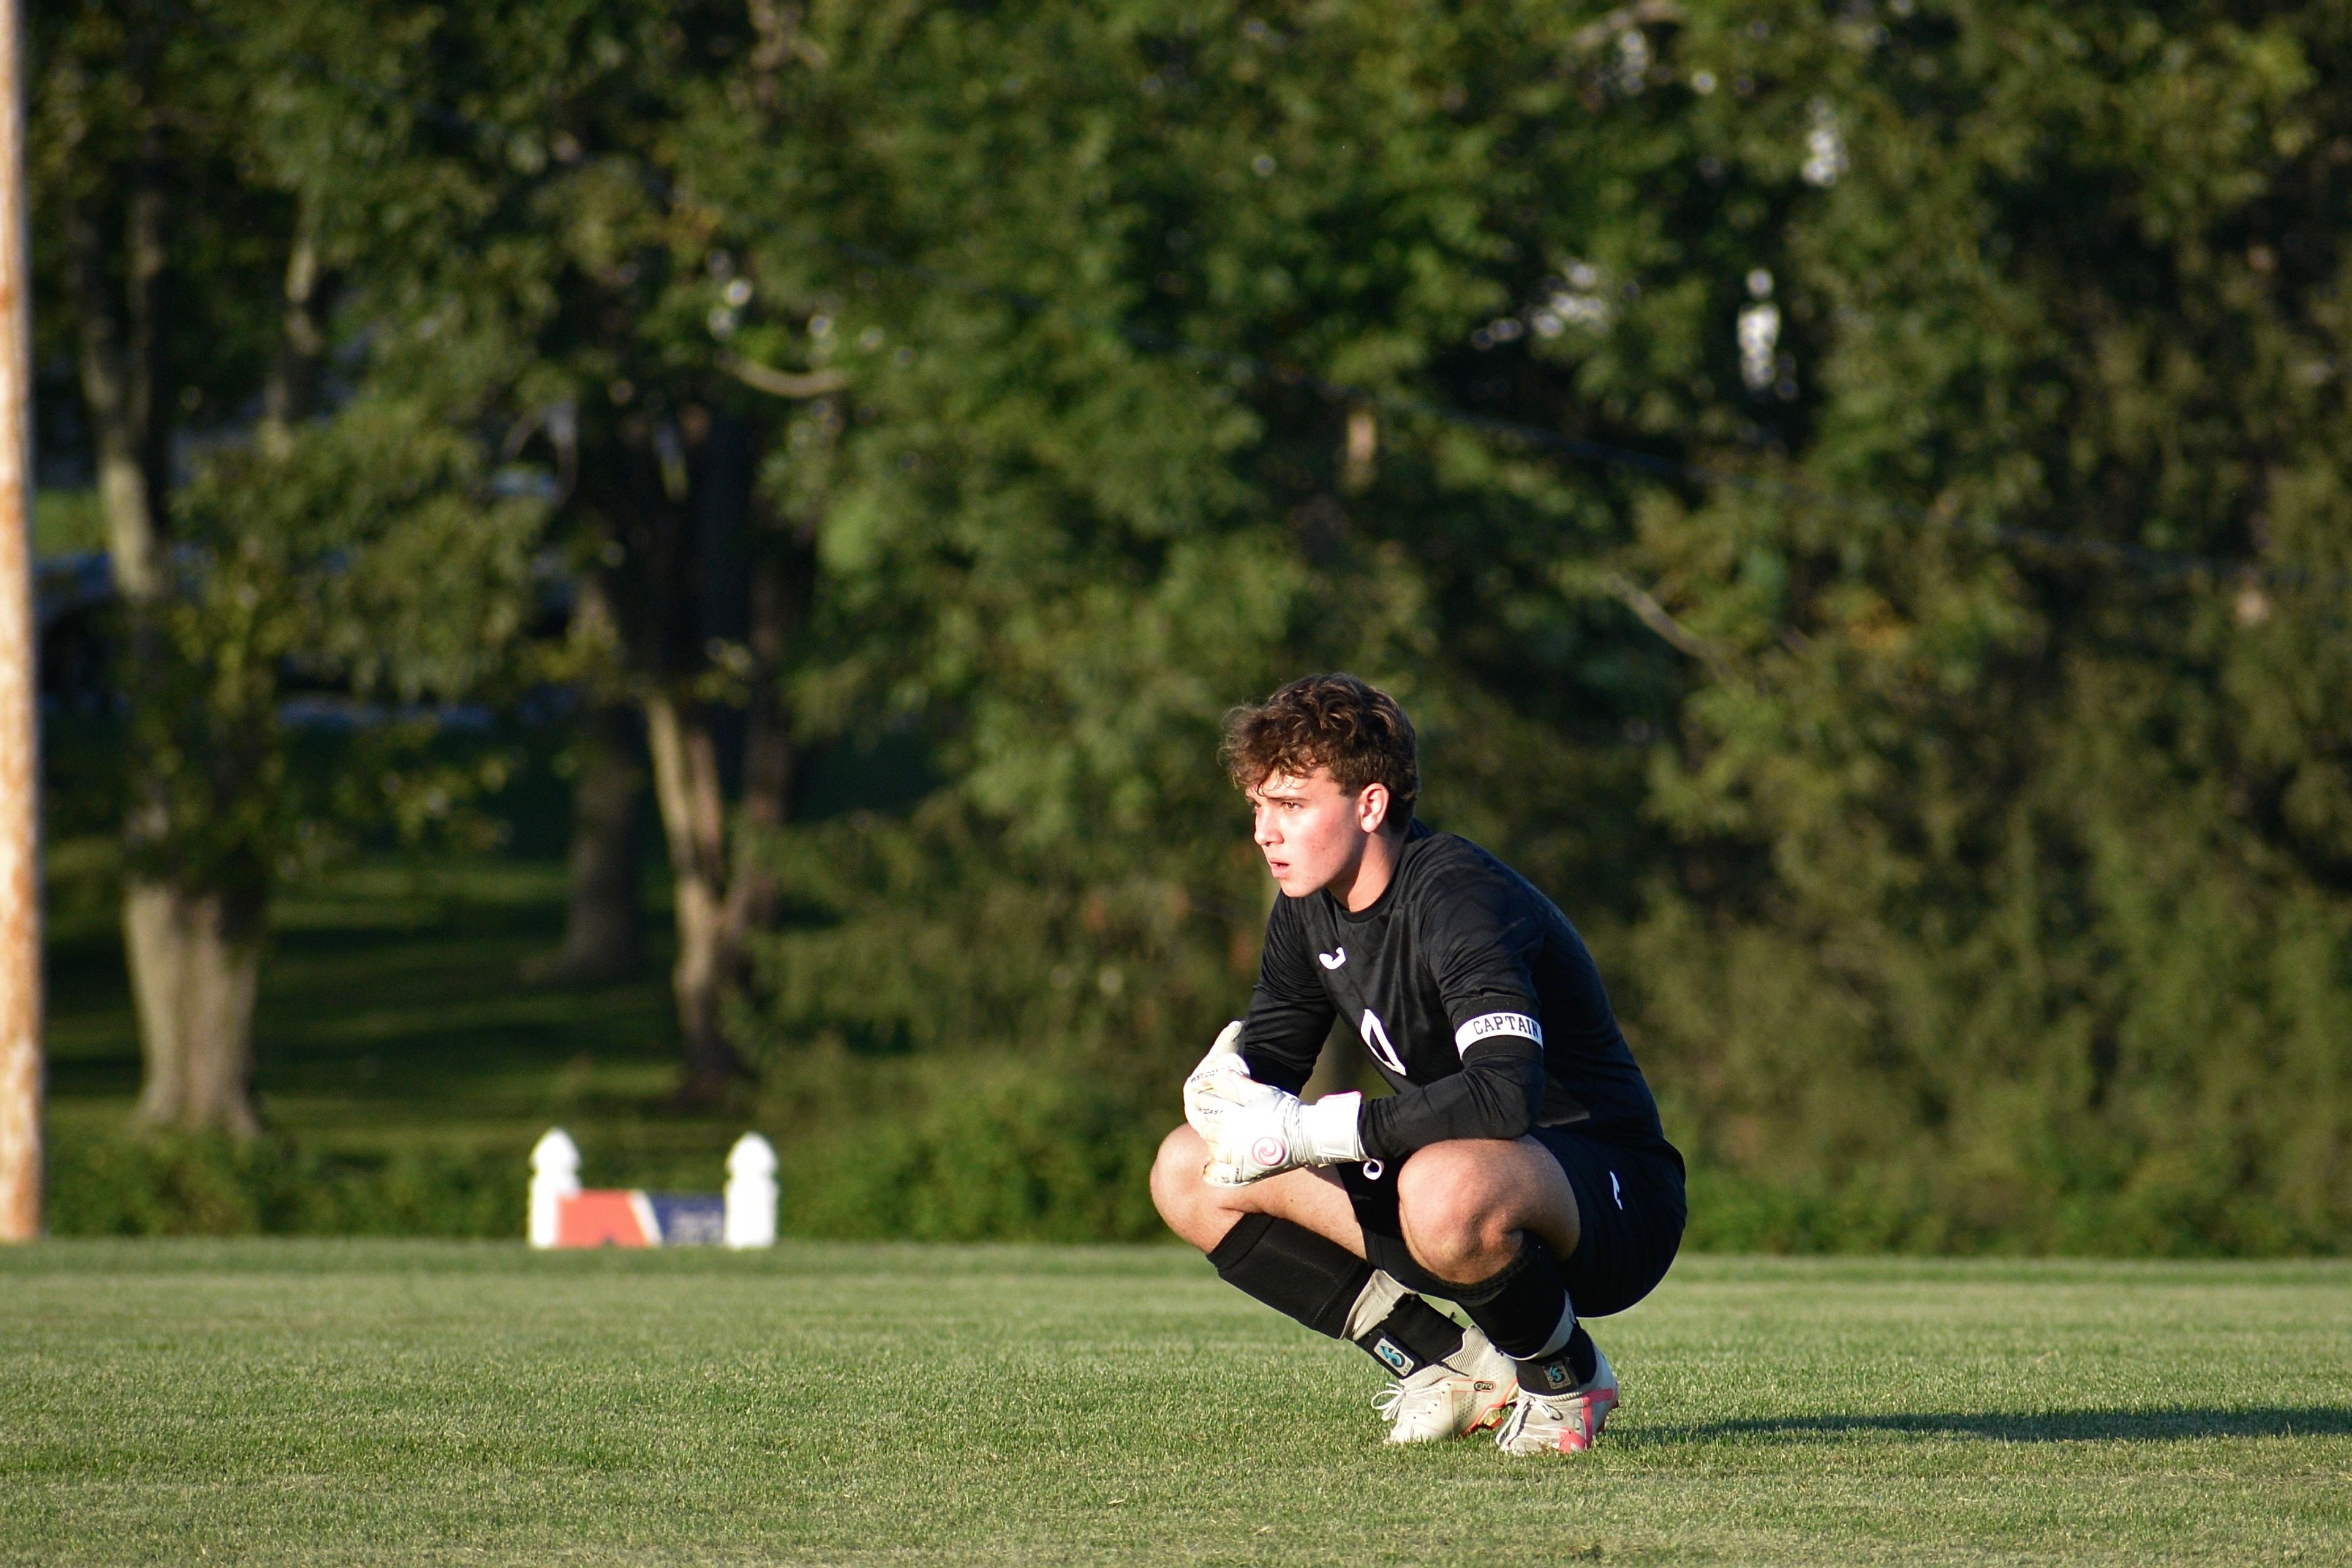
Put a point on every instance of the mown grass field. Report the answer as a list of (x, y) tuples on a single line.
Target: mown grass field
[(409, 1402)]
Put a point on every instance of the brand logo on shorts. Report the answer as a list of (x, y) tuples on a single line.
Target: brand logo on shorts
[(1398, 1362), (1615, 1190), (1332, 960)]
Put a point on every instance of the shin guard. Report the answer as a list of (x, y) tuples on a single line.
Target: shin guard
[(1293, 1270), (1411, 1337)]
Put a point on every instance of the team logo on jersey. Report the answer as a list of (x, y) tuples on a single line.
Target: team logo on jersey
[(1332, 960), (1375, 1040)]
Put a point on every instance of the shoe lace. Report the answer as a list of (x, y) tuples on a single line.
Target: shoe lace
[(1531, 1408), (1419, 1391)]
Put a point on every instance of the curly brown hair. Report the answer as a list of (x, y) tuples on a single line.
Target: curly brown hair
[(1334, 722)]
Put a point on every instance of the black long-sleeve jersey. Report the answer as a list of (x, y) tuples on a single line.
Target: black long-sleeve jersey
[(1474, 996)]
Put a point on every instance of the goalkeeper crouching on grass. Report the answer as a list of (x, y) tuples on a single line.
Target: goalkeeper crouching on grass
[(1518, 1171)]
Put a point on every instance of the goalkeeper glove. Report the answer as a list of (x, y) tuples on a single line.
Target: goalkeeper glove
[(1225, 1057), (1254, 1130)]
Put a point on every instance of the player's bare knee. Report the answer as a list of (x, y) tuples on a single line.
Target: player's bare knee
[(1453, 1215), (1176, 1173), (1188, 1204)]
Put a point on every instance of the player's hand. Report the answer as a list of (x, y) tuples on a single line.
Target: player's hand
[(1252, 1131), (1224, 1057), (1255, 1130), (1212, 1092), (1246, 1125)]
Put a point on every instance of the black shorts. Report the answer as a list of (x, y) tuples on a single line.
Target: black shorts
[(1630, 1211), (1629, 1203)]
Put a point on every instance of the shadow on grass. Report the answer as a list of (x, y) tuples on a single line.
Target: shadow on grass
[(2166, 1424)]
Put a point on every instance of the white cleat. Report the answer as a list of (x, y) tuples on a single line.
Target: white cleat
[(1564, 1423), (1451, 1398)]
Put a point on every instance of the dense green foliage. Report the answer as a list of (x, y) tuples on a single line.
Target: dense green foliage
[(370, 1402), (2047, 933), (1975, 872), (348, 544), (1957, 786), (119, 1186)]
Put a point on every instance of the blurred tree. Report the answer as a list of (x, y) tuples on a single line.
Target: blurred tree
[(603, 915), (1062, 541), (123, 119), (539, 214), (279, 537), (1008, 391), (1859, 797), (2045, 930)]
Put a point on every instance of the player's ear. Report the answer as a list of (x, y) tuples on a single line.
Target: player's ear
[(1372, 807)]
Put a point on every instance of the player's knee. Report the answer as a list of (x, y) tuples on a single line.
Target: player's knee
[(1177, 1190), (1453, 1218)]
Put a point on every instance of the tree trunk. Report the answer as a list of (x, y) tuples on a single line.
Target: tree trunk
[(603, 927), (694, 816), (724, 892), (192, 940), (713, 587), (196, 967), (194, 953), (118, 383), (290, 394)]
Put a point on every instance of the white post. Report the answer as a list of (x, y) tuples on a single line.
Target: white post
[(751, 1193), (554, 1176)]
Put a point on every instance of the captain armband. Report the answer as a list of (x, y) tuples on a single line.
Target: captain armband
[(1487, 1026)]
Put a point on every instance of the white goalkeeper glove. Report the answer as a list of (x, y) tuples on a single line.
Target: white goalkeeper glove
[(1254, 1130), (1224, 1057)]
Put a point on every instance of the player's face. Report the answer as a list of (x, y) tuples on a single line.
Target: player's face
[(1311, 832)]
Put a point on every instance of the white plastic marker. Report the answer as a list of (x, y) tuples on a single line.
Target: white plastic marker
[(751, 1193), (554, 1176)]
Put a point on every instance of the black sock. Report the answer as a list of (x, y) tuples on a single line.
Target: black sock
[(1318, 1281), (1521, 1309), (1413, 1335), (1293, 1270), (1573, 1367)]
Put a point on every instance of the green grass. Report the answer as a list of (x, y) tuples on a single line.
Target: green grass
[(339, 1402)]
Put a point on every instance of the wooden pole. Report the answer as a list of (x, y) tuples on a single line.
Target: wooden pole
[(20, 859)]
